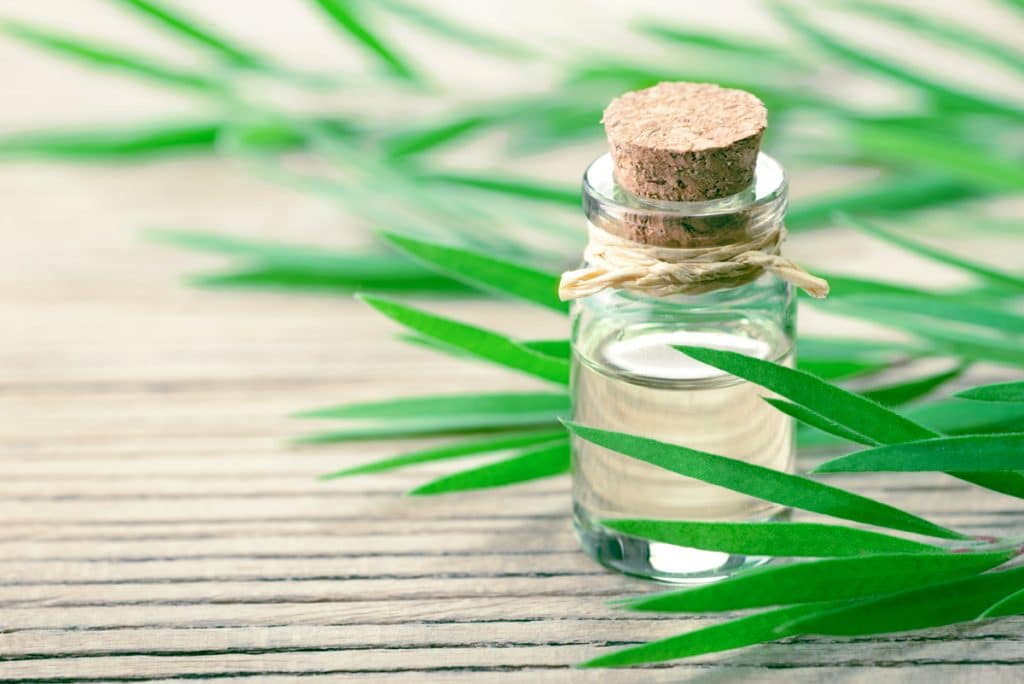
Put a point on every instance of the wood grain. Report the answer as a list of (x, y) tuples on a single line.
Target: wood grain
[(156, 526)]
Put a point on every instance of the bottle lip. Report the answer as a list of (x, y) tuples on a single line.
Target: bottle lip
[(769, 186)]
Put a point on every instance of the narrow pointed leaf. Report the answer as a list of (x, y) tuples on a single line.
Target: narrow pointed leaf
[(479, 342), (816, 420), (449, 451), (178, 23), (999, 392), (320, 281), (726, 636), (888, 195), (715, 41), (1008, 605), (346, 16), (515, 187), (831, 579), (903, 392), (153, 139), (534, 464), (805, 540), (850, 410), (987, 273), (416, 141), (433, 426), (446, 28), (487, 272), (939, 308), (965, 453), (558, 348), (940, 604), (106, 57), (448, 405), (762, 483)]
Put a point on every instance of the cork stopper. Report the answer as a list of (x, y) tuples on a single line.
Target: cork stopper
[(685, 142)]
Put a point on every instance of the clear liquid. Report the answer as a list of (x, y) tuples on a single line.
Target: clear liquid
[(643, 386)]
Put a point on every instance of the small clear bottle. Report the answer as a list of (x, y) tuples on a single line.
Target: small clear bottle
[(628, 377)]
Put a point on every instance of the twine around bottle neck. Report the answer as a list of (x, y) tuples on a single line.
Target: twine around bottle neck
[(613, 262)]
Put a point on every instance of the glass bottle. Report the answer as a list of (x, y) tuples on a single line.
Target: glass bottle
[(627, 377)]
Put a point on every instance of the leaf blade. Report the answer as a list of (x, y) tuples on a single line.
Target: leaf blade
[(964, 453), (762, 483), (544, 461), (1008, 392)]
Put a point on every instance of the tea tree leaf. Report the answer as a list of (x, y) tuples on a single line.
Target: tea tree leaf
[(969, 163), (448, 405), (418, 140), (950, 417), (725, 636), (558, 348), (888, 195), (1008, 605), (479, 270), (972, 453), (106, 57), (816, 420), (831, 579), (449, 451), (963, 343), (762, 483), (903, 392), (188, 28), (515, 187), (940, 604), (848, 286), (940, 92), (923, 24), (850, 410), (437, 425), (939, 308), (121, 142), (838, 370), (1000, 392), (319, 282), (479, 342), (714, 41), (445, 28), (984, 272), (768, 538), (543, 461), (345, 15)]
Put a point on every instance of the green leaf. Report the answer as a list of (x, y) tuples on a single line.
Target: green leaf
[(345, 15), (838, 370), (938, 307), (903, 392), (515, 187), (999, 392), (502, 403), (434, 426), (544, 461), (888, 195), (445, 28), (816, 420), (417, 140), (965, 453), (744, 46), (768, 538), (945, 95), (118, 142), (103, 56), (924, 24), (486, 272), (848, 286), (986, 273), (762, 483), (184, 26), (558, 348), (971, 164), (296, 266), (448, 451), (831, 579), (1008, 605), (850, 410), (479, 342), (963, 343), (940, 604), (725, 636)]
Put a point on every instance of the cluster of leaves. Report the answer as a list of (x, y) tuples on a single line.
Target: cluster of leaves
[(951, 146)]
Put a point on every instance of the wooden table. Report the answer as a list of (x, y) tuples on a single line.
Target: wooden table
[(156, 526)]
